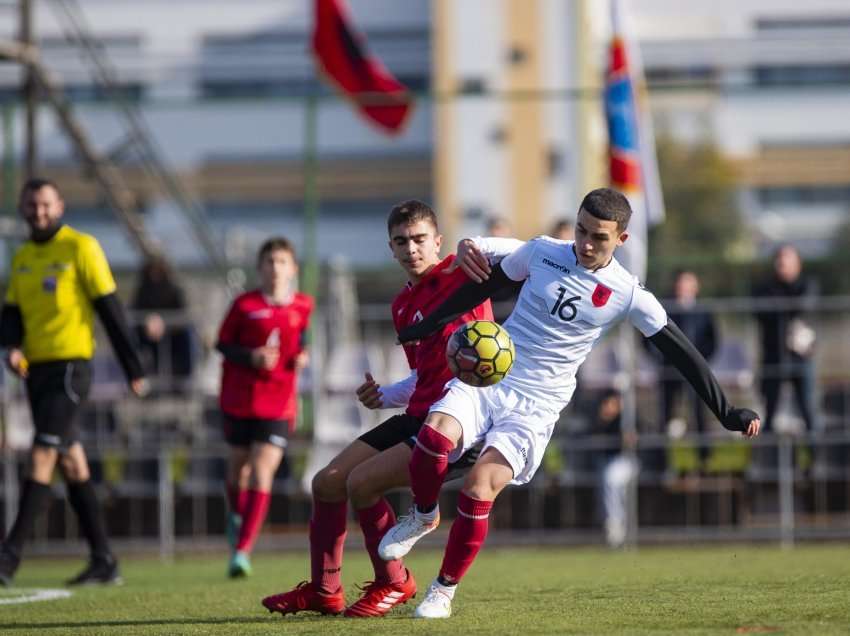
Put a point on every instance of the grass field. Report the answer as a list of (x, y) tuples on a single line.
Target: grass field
[(691, 590)]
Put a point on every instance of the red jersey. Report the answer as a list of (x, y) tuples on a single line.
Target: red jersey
[(428, 357), (267, 394)]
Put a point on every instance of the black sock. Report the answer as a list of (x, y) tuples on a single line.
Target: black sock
[(426, 509), (444, 582), (34, 498), (83, 500)]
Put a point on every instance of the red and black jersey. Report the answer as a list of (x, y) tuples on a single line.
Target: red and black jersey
[(429, 356), (250, 393)]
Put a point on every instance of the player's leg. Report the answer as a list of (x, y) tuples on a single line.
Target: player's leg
[(455, 424), (323, 592), (34, 497), (491, 473), (267, 440), (393, 584), (102, 567), (236, 434)]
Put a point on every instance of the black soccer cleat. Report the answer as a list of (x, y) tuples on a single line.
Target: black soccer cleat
[(9, 563), (100, 571)]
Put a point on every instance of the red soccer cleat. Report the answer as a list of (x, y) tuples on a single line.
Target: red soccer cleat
[(380, 598), (305, 598)]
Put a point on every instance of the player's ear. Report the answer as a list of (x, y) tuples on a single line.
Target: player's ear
[(624, 236), (438, 241)]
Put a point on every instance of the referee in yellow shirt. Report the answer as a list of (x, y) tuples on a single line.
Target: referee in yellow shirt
[(59, 278)]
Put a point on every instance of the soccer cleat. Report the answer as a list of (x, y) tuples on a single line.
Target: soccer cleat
[(9, 563), (240, 565), (306, 598), (437, 603), (380, 598), (399, 539), (234, 525), (100, 571)]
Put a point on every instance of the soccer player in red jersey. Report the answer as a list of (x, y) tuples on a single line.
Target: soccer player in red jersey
[(377, 461), (262, 339)]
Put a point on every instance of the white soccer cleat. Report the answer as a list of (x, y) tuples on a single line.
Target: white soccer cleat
[(406, 532), (438, 601)]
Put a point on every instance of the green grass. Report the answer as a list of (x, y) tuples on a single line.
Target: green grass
[(691, 590)]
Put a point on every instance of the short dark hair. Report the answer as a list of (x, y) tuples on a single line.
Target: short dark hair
[(37, 183), (274, 244), (409, 212), (609, 205)]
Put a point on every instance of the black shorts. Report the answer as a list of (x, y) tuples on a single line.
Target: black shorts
[(403, 429), (56, 391), (244, 432)]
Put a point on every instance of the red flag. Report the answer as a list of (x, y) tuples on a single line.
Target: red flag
[(341, 51)]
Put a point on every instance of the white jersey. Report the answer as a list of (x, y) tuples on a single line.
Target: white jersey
[(563, 310)]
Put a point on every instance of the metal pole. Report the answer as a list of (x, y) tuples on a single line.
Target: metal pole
[(166, 507), (8, 161), (30, 92), (786, 490)]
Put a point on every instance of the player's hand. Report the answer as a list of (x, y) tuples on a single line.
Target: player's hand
[(302, 359), (140, 387), (265, 357), (746, 421), (472, 261), (368, 393), (17, 363)]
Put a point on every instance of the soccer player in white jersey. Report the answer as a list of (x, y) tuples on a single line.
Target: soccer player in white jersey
[(573, 292)]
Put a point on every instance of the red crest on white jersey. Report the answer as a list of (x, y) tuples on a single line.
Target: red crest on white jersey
[(600, 295)]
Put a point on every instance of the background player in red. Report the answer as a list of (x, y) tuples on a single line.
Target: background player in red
[(377, 461), (262, 339)]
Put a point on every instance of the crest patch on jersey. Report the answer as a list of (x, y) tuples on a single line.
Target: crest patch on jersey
[(48, 283), (600, 295)]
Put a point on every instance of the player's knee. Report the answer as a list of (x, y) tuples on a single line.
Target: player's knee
[(482, 486), (445, 425), (73, 470), (359, 487), (329, 484)]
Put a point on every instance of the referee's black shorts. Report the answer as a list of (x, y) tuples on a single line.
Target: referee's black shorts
[(246, 431), (56, 391), (403, 429)]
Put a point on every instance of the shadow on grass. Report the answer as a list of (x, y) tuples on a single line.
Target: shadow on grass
[(162, 621)]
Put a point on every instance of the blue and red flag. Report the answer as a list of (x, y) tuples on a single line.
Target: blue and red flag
[(341, 51), (632, 163)]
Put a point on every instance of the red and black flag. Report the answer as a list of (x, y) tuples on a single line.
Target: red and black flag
[(342, 52)]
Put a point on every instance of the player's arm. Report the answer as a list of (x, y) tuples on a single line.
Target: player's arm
[(11, 338), (465, 298), (475, 256), (112, 316), (374, 396), (650, 318)]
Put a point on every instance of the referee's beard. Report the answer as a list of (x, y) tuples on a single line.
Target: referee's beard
[(41, 235)]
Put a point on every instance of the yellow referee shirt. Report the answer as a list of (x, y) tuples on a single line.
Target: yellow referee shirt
[(54, 283)]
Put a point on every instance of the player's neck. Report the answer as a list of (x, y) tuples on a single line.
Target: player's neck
[(277, 296), (416, 279)]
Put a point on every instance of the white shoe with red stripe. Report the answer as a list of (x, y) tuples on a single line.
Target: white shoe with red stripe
[(438, 601), (399, 539)]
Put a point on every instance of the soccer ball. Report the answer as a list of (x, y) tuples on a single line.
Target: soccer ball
[(480, 353)]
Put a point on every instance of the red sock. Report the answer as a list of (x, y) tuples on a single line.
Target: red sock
[(253, 514), (428, 466), (466, 537), (375, 521), (237, 499), (327, 536)]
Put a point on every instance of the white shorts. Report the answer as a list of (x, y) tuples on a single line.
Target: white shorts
[(517, 426)]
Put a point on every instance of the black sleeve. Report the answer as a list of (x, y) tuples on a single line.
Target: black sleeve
[(465, 298), (679, 352), (112, 316), (235, 354), (11, 326)]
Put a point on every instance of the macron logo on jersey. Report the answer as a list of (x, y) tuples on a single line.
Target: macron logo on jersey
[(418, 317), (557, 266)]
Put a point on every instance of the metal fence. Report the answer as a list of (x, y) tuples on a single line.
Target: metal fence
[(160, 461)]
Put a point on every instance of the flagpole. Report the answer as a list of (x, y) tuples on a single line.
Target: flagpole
[(310, 272)]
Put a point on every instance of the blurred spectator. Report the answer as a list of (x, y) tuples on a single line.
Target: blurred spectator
[(563, 229), (166, 349), (497, 226), (699, 326), (787, 340), (614, 464)]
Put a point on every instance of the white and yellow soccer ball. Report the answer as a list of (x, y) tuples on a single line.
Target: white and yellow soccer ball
[(480, 353)]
